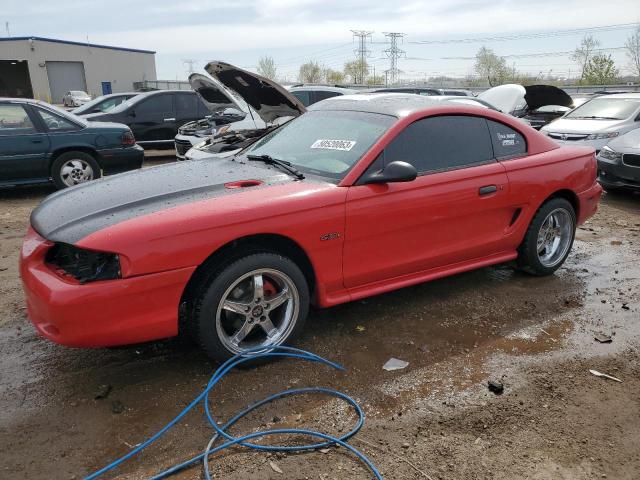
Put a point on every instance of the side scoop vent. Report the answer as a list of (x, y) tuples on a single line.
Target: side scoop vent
[(243, 184)]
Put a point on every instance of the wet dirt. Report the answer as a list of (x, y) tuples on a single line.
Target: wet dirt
[(433, 419)]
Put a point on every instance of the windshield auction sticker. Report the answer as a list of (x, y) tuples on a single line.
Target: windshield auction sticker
[(344, 145)]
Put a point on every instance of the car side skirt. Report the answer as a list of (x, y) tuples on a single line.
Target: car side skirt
[(377, 288)]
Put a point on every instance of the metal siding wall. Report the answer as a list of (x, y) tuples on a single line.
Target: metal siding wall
[(65, 76)]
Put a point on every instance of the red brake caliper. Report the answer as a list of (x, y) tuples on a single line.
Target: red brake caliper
[(269, 288)]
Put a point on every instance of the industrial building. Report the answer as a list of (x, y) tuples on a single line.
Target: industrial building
[(45, 68)]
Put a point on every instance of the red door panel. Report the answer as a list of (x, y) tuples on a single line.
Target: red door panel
[(438, 219)]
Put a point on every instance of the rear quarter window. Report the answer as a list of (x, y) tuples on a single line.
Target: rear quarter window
[(507, 143)]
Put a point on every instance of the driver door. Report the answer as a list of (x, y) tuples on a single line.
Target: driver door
[(457, 209)]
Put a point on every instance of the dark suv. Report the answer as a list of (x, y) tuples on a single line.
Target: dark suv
[(41, 143), (154, 117)]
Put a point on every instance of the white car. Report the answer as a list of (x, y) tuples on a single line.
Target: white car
[(75, 98), (597, 121), (243, 105)]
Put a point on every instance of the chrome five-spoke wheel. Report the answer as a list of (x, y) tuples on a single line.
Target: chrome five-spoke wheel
[(554, 237), (258, 309)]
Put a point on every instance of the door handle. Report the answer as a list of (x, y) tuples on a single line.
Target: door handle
[(487, 190), (36, 141), (169, 119)]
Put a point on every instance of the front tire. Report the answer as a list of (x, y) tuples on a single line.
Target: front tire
[(260, 300), (74, 168), (549, 238)]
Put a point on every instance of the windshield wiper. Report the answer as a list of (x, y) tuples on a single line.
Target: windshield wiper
[(280, 163), (596, 117)]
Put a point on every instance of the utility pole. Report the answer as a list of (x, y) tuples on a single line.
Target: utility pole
[(6, 26), (393, 52), (362, 52), (189, 63)]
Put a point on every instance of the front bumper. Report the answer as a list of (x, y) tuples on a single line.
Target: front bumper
[(118, 160), (102, 313), (184, 143), (615, 174)]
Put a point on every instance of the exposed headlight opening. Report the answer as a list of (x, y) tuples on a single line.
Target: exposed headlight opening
[(610, 154), (84, 265)]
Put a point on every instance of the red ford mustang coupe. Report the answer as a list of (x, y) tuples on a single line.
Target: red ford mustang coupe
[(360, 195)]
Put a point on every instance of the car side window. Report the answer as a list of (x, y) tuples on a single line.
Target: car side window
[(442, 143), (14, 120), (56, 123), (303, 96), (321, 95), (187, 104), (155, 104), (507, 143)]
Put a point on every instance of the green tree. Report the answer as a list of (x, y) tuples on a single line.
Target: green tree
[(375, 80), (310, 72), (632, 46), (491, 67), (267, 68), (333, 76), (583, 53), (357, 70), (600, 70)]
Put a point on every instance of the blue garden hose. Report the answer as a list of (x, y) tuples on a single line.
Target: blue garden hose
[(322, 440)]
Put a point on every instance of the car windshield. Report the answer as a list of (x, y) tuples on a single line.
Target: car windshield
[(78, 93), (99, 104), (326, 143), (606, 109)]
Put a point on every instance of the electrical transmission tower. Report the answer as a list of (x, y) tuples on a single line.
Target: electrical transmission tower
[(362, 52), (189, 63), (393, 52)]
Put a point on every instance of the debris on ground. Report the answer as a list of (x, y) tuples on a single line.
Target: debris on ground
[(604, 375), (603, 338), (117, 407), (275, 467), (395, 364), (495, 387), (103, 392), (360, 328)]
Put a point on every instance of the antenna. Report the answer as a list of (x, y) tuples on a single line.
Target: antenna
[(393, 52), (362, 52)]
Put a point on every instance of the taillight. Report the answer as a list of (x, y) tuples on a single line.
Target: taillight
[(128, 138)]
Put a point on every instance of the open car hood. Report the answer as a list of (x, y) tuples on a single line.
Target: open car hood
[(540, 95), (215, 97), (268, 99), (512, 98)]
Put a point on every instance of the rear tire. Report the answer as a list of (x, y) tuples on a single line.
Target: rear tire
[(260, 300), (74, 168), (549, 238)]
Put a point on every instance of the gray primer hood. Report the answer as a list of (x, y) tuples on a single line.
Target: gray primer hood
[(72, 214)]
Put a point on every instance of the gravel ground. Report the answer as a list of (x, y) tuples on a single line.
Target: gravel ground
[(434, 419)]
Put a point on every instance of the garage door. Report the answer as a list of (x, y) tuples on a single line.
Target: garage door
[(65, 76)]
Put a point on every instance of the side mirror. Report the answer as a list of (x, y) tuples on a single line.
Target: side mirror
[(394, 172)]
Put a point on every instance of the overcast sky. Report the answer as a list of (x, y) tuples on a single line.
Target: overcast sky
[(293, 31)]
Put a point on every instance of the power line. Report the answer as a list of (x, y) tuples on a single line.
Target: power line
[(521, 36), (362, 52), (393, 52)]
